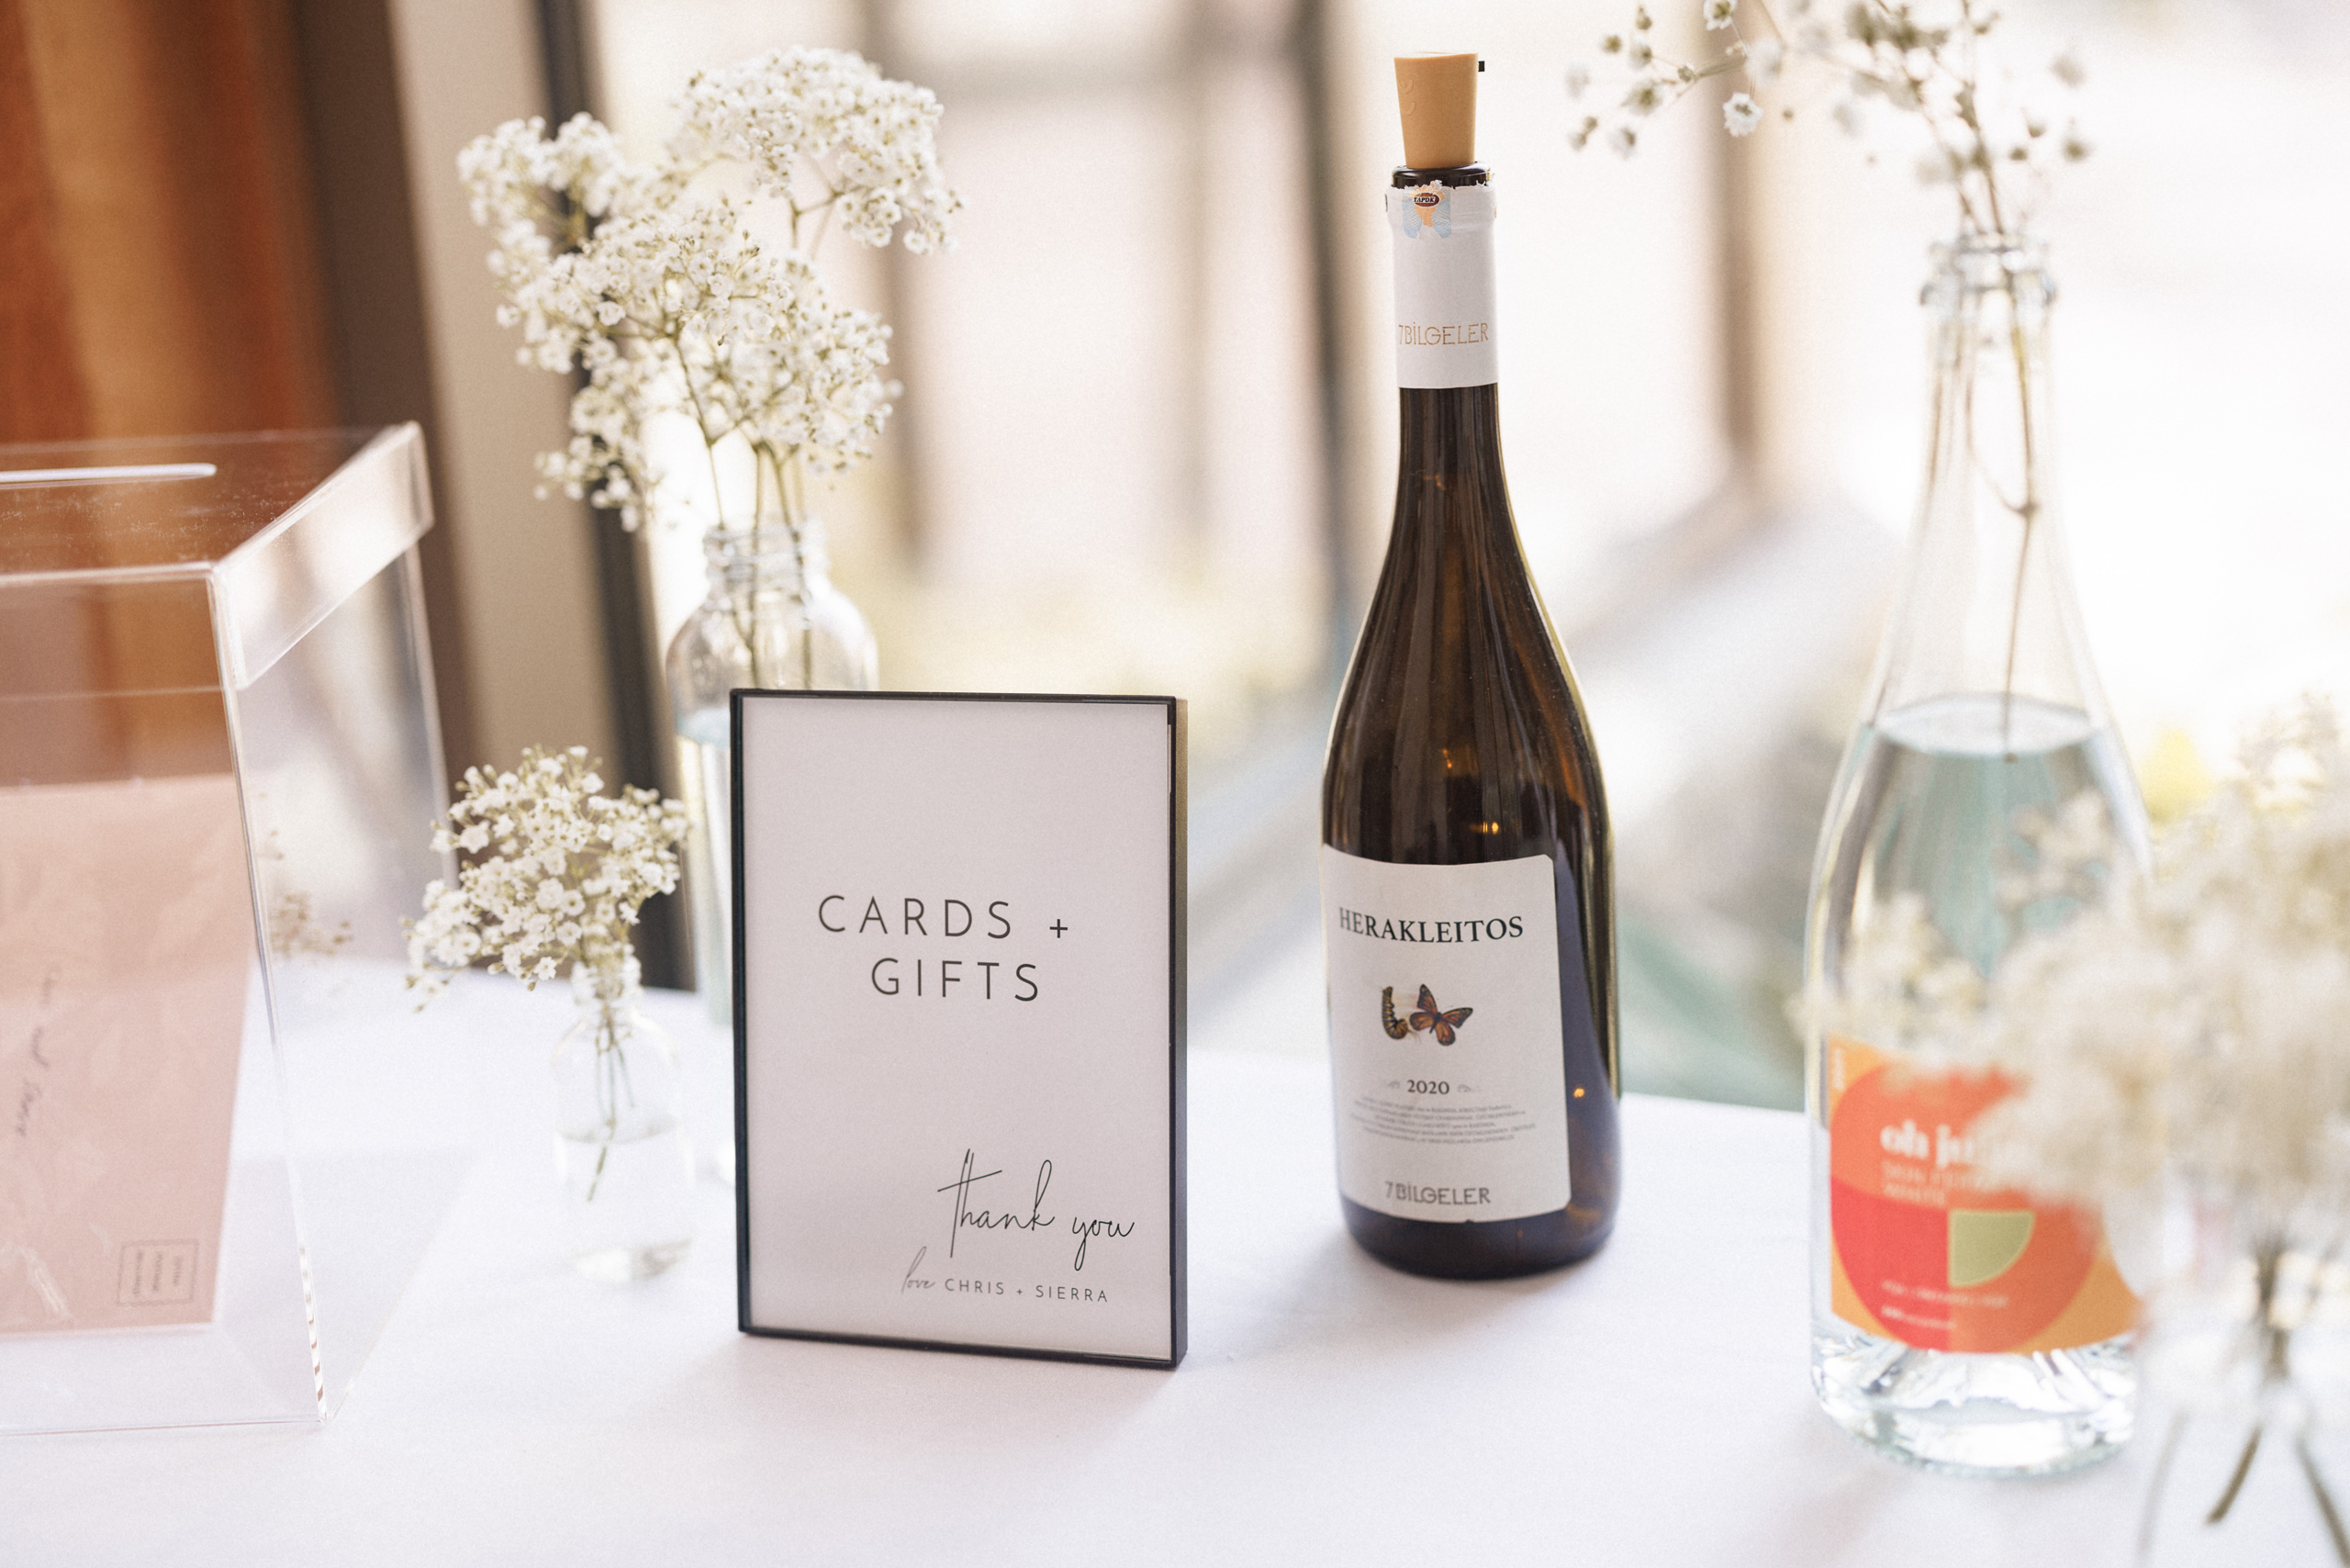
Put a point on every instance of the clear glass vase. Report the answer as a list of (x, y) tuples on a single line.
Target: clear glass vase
[(620, 1150), (1956, 1326), (773, 620), (2248, 1345)]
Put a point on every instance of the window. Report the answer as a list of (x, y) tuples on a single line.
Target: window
[(1118, 464)]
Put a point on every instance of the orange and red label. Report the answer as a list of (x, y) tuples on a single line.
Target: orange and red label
[(1927, 1255)]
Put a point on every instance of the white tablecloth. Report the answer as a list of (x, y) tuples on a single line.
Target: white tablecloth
[(1650, 1406)]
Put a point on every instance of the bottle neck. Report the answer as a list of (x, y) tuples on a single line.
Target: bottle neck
[(1986, 607), (771, 559), (1441, 223), (1988, 304), (1454, 520), (1450, 443), (596, 989), (1453, 512)]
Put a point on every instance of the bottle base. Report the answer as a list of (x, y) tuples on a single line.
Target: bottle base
[(622, 1265), (1977, 1415), (1476, 1249)]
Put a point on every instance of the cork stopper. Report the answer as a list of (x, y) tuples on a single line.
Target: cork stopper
[(1438, 97)]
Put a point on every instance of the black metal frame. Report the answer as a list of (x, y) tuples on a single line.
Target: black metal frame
[(1177, 1265)]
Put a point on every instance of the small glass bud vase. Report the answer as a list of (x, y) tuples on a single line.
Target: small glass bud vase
[(620, 1150), (2249, 1344), (773, 620)]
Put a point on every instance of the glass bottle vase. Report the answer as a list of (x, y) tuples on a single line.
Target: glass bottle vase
[(620, 1149), (773, 620), (1955, 1327)]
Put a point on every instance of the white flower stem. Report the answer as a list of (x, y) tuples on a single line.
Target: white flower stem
[(2029, 512), (2275, 1370), (2147, 1516), (709, 442), (610, 1069), (2318, 1489), (2236, 1478)]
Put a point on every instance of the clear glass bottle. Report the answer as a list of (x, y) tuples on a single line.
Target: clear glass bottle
[(619, 1148), (773, 620), (1952, 1327)]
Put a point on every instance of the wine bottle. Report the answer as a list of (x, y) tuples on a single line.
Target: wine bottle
[(1467, 888)]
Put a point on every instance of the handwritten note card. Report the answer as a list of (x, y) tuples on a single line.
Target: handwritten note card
[(959, 1019)]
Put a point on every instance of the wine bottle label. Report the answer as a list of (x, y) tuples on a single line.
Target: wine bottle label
[(1445, 1036), (1927, 1254), (1444, 286)]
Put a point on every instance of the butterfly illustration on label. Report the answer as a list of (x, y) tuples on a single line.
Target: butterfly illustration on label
[(1428, 1016)]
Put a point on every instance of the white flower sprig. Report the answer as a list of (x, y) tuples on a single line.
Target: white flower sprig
[(2197, 1021), (662, 295), (829, 134), (1931, 62), (1928, 60), (555, 874), (2233, 964)]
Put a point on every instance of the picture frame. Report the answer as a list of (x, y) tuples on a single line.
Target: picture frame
[(959, 1021)]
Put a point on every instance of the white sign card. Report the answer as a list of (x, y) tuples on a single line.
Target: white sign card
[(958, 1005)]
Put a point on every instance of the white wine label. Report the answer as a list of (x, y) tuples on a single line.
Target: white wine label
[(1444, 286), (1445, 1051)]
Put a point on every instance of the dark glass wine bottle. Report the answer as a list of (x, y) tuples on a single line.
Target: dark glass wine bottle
[(1467, 884)]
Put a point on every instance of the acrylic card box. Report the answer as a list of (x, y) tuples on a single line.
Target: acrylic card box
[(217, 755), (959, 1021)]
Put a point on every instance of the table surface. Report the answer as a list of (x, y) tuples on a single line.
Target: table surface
[(1648, 1407)]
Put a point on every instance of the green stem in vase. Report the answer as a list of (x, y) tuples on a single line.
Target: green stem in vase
[(807, 620), (2235, 1480), (790, 483), (2154, 1490), (2277, 1371), (2029, 512), (746, 606), (2266, 1259), (609, 1068), (2325, 1498)]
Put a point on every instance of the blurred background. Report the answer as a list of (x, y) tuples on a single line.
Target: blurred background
[(1147, 442)]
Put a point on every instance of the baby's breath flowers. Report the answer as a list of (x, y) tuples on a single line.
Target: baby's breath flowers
[(553, 874), (2193, 1025), (1929, 62), (661, 293), (555, 871)]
